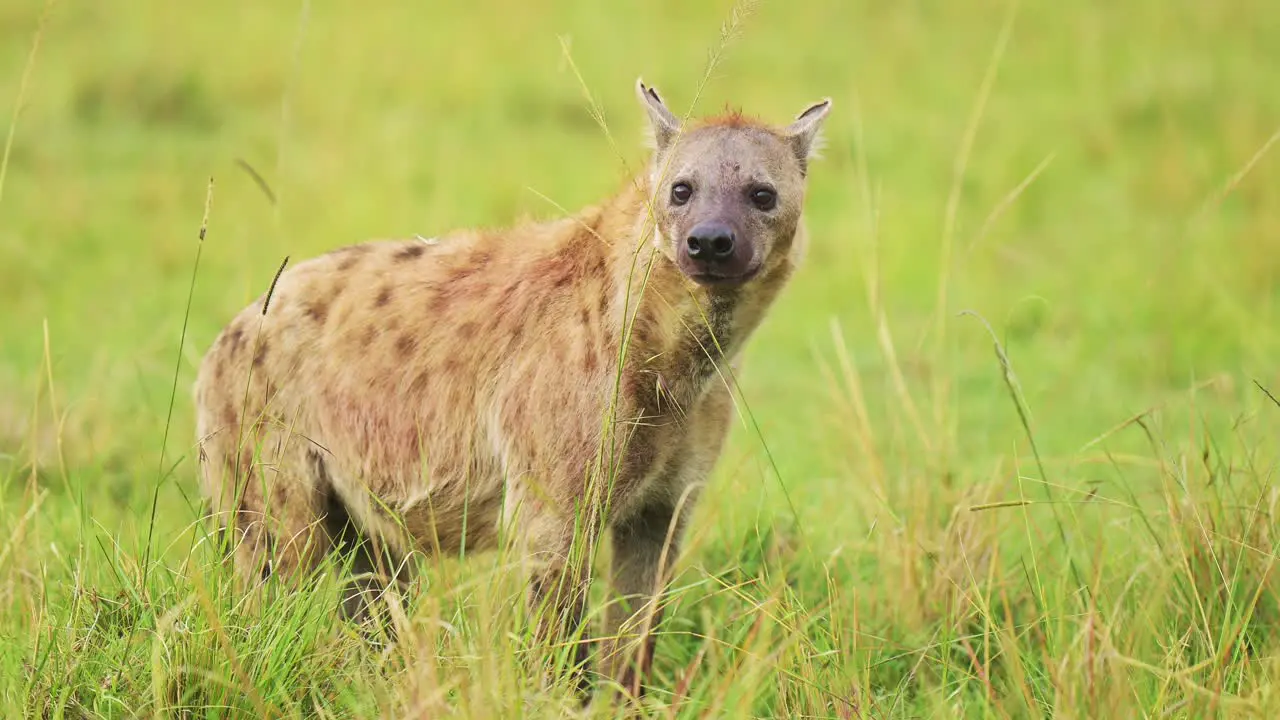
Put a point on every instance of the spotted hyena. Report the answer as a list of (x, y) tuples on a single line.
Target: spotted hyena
[(541, 383)]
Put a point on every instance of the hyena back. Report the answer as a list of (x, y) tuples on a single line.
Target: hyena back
[(521, 380)]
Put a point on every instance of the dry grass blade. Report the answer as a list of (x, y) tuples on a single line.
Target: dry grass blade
[(19, 101)]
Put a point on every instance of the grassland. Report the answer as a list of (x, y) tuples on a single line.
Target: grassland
[(1067, 511)]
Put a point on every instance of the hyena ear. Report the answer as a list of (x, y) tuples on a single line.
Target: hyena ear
[(663, 124), (805, 133)]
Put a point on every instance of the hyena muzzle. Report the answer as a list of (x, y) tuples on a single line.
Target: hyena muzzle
[(545, 383)]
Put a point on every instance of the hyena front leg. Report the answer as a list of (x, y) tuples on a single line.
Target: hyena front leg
[(645, 546), (647, 540), (558, 547)]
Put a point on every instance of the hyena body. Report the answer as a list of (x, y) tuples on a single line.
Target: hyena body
[(552, 380)]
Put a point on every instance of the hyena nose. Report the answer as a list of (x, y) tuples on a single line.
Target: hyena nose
[(710, 241)]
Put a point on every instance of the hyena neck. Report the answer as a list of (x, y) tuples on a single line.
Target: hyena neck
[(680, 336)]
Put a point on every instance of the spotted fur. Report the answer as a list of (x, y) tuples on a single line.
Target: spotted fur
[(425, 395)]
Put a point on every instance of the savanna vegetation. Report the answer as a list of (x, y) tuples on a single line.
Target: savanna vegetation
[(1007, 443)]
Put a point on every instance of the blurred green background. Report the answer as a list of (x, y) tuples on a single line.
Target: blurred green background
[(1092, 177)]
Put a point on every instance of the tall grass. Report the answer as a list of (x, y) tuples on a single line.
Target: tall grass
[(1068, 512)]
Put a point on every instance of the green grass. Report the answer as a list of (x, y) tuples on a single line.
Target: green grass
[(1097, 187)]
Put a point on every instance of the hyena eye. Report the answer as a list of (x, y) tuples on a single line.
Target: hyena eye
[(764, 198), (680, 193)]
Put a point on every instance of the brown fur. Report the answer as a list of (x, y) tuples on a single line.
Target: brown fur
[(414, 388), (733, 118)]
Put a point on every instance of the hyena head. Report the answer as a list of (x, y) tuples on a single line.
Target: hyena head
[(727, 192)]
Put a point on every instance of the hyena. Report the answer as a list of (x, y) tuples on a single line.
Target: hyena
[(542, 383)]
